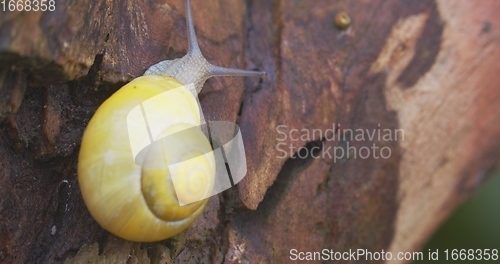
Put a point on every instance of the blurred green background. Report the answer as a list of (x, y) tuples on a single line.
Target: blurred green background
[(474, 225)]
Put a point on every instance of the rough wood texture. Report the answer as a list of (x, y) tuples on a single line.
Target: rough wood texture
[(427, 67)]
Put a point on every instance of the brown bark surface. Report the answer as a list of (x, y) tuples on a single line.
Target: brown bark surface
[(430, 68)]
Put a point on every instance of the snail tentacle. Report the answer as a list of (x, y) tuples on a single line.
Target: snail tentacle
[(199, 68)]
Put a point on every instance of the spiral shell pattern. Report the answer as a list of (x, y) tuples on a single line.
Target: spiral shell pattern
[(144, 162)]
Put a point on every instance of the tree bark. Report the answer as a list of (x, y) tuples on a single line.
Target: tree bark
[(427, 71)]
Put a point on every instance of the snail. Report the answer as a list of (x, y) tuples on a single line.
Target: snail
[(342, 20), (125, 162)]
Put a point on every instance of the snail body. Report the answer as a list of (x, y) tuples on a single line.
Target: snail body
[(145, 140)]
